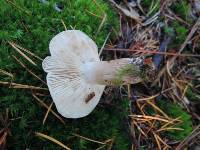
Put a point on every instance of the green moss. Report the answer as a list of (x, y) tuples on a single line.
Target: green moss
[(151, 6), (191, 95), (182, 8), (174, 111), (45, 21), (32, 24), (126, 71), (179, 30)]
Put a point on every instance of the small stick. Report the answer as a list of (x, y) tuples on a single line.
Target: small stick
[(52, 139), (152, 52)]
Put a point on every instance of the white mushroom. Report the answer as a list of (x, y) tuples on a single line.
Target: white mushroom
[(76, 77)]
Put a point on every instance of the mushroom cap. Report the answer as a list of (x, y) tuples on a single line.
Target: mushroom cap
[(73, 96)]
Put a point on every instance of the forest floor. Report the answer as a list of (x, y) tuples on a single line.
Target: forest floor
[(161, 112)]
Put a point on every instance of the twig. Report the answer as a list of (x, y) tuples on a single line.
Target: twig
[(152, 52), (53, 140)]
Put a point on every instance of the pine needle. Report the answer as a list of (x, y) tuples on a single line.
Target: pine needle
[(21, 86), (46, 115), (93, 14), (101, 24), (153, 52), (64, 25), (27, 51), (171, 122), (148, 98), (18, 7), (88, 139), (47, 107), (24, 66), (101, 147), (102, 47), (138, 117), (138, 127), (6, 73), (53, 140), (21, 53), (157, 141), (166, 129), (158, 109)]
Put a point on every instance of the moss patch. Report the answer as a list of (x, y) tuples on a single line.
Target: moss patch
[(174, 111), (32, 24), (126, 71)]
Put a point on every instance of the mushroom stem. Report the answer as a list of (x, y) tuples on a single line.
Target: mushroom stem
[(114, 72)]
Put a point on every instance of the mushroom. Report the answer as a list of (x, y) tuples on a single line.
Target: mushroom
[(76, 77)]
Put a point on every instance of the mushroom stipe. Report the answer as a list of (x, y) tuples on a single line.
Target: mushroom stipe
[(74, 70)]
